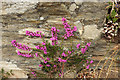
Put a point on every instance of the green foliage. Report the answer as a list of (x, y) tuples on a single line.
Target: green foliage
[(113, 13), (4, 75), (114, 19), (111, 16)]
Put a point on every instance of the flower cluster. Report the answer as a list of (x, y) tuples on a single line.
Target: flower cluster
[(61, 60), (46, 61), (90, 63), (54, 35), (69, 31), (33, 72), (42, 48), (25, 54), (37, 34), (83, 50), (20, 46)]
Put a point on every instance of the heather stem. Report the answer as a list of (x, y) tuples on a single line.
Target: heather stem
[(63, 70)]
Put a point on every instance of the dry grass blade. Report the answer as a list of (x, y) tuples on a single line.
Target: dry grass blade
[(105, 63), (111, 64), (115, 49)]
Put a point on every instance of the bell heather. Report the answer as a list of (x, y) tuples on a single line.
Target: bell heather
[(69, 31), (54, 60), (54, 35), (20, 46), (37, 34)]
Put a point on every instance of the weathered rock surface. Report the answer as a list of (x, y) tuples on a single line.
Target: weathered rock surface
[(72, 7), (17, 20), (91, 32), (18, 73), (19, 7)]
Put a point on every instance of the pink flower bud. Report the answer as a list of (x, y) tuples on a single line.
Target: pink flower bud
[(89, 43), (40, 65), (48, 65), (87, 66), (63, 19), (91, 61), (36, 54), (43, 43), (45, 61), (64, 60), (48, 59), (59, 74), (54, 65), (78, 46)]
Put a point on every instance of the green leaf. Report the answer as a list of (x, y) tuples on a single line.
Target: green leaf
[(110, 3), (2, 70), (8, 73), (108, 17), (114, 19), (113, 13)]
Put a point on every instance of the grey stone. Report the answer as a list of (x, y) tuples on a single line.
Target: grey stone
[(91, 32), (41, 18), (72, 7), (18, 7), (78, 2)]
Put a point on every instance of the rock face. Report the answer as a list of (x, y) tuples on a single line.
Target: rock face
[(91, 32), (20, 8), (18, 73), (18, 17)]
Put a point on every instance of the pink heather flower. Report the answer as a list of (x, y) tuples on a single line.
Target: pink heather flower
[(91, 61), (54, 65), (87, 66), (48, 59), (37, 33), (82, 50), (45, 61), (41, 58), (13, 41), (89, 43), (33, 72), (65, 37), (36, 54), (59, 59), (78, 45), (59, 74), (43, 43), (58, 30), (18, 52), (45, 48), (75, 28), (40, 65), (63, 19), (48, 65), (53, 43), (45, 52), (69, 52), (64, 60), (53, 38), (85, 48), (63, 54), (87, 61), (37, 47)]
